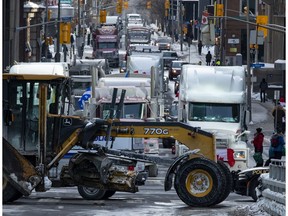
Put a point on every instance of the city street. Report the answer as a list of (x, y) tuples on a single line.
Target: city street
[(150, 200)]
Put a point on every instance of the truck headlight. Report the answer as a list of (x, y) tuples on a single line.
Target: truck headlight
[(240, 154)]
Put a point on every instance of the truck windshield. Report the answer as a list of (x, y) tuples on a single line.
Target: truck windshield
[(138, 35), (130, 110), (107, 45), (214, 112)]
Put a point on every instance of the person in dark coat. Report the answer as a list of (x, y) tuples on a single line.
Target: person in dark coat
[(200, 45), (258, 147), (263, 87), (276, 151), (208, 58), (279, 118)]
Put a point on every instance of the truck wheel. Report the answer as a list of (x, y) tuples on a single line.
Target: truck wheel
[(199, 182), (108, 194), (10, 194), (91, 193), (252, 189), (229, 181), (153, 170)]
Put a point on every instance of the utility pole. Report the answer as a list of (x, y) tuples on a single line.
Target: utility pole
[(248, 64), (58, 55), (181, 25)]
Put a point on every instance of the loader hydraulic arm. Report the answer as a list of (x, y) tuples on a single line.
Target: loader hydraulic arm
[(192, 137)]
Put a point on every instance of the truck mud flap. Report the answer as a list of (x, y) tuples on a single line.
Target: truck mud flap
[(19, 172), (173, 167)]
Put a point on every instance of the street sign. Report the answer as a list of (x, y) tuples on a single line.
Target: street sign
[(66, 19), (257, 65), (260, 37), (233, 40)]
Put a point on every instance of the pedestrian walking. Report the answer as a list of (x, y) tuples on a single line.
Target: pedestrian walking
[(72, 40), (263, 87), (258, 147), (200, 45), (208, 58), (279, 115), (277, 147)]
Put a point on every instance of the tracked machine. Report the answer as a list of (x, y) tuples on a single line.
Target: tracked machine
[(39, 129)]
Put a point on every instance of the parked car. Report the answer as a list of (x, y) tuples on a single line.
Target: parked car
[(175, 68), (168, 57), (164, 43)]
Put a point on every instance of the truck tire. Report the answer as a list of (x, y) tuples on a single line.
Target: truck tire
[(10, 194), (252, 188), (153, 170), (229, 181), (108, 194), (90, 193), (199, 182)]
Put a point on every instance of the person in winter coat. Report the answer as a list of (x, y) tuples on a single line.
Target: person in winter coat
[(258, 147), (277, 147), (200, 45), (279, 118), (208, 58), (263, 87)]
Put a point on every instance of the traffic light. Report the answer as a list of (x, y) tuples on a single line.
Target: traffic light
[(119, 6), (49, 13), (65, 29), (219, 10), (126, 5), (103, 14), (148, 4), (167, 4)]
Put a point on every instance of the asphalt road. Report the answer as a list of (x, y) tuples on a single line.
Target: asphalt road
[(150, 200)]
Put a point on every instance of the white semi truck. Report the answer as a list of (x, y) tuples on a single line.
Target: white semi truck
[(136, 105), (214, 99)]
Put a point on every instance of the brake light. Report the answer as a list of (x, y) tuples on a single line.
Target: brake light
[(130, 168)]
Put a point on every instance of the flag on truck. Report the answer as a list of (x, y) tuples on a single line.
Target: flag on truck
[(86, 95)]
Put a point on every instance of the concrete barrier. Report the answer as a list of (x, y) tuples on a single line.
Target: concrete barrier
[(273, 188)]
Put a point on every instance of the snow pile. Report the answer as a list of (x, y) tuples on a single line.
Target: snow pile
[(256, 209)]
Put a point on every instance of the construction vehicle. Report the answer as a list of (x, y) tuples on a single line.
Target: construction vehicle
[(214, 99), (106, 43), (38, 130)]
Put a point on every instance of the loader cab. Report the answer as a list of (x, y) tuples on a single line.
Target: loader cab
[(25, 96)]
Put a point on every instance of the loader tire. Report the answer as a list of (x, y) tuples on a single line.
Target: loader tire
[(229, 181), (90, 193), (199, 182), (10, 194)]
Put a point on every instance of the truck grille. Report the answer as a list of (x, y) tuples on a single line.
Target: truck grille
[(221, 143), (107, 54)]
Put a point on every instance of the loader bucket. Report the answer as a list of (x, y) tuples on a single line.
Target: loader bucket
[(19, 172)]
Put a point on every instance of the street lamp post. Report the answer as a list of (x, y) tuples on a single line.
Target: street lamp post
[(58, 55), (248, 65)]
